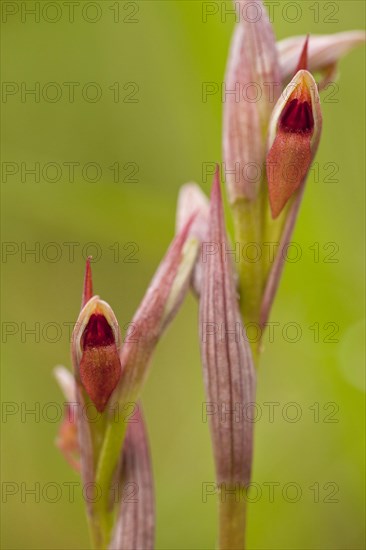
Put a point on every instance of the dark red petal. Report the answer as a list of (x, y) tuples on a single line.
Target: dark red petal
[(98, 332), (297, 117)]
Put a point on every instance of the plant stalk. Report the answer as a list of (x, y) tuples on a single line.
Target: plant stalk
[(232, 519), (108, 460), (247, 217)]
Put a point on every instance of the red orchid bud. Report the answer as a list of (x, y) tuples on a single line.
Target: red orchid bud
[(95, 346), (294, 135)]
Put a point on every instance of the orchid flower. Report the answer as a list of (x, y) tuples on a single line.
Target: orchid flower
[(268, 147), (109, 375)]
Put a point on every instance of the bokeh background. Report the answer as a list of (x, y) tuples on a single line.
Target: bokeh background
[(167, 51)]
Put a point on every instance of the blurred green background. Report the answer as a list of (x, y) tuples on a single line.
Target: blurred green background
[(167, 51)]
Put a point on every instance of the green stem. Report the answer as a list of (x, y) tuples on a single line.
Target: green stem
[(108, 459), (95, 533), (248, 231), (232, 514)]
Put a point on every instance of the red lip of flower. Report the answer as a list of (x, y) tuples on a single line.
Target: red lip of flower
[(297, 116)]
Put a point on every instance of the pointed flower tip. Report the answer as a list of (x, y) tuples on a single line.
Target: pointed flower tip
[(294, 134), (88, 283), (303, 61), (96, 343)]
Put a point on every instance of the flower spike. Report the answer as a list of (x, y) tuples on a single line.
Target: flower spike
[(269, 143)]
